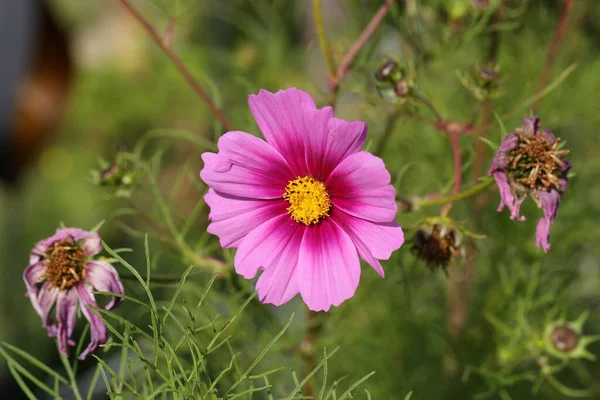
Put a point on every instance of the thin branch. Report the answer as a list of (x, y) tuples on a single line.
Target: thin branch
[(486, 106), (457, 170), (164, 45), (557, 39), (455, 197), (344, 66), (324, 43)]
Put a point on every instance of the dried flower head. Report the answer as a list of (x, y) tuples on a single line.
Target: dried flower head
[(437, 244), (304, 205), (565, 339), (530, 162), (62, 274)]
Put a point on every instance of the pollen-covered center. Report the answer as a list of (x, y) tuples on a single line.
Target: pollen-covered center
[(64, 264), (536, 163), (309, 200)]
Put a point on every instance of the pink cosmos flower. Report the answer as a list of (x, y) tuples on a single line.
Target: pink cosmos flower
[(304, 205), (62, 274)]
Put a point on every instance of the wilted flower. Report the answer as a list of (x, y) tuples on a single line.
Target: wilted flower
[(63, 273), (530, 162), (304, 205), (437, 244)]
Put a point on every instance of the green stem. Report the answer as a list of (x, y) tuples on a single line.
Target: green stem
[(323, 42), (455, 197), (425, 100), (71, 374)]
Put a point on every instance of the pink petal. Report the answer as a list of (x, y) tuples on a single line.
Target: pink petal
[(104, 278), (328, 266), (66, 309), (262, 247), (233, 217), (278, 283), (550, 201), (46, 298), (360, 187), (246, 166), (287, 119), (32, 276), (374, 241), (343, 139), (89, 241), (507, 198), (97, 328)]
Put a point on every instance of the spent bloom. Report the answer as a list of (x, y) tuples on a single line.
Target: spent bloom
[(530, 162), (62, 274), (304, 205)]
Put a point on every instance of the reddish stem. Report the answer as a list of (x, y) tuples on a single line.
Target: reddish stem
[(457, 170), (557, 39), (179, 64), (344, 66)]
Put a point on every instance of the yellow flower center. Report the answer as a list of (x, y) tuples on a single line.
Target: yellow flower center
[(309, 200)]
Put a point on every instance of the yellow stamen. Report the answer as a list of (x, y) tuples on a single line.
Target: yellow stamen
[(309, 200)]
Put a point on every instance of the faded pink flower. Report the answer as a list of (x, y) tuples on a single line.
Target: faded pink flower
[(62, 274), (529, 162), (304, 205)]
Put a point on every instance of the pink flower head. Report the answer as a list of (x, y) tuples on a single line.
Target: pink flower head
[(304, 205), (63, 273), (529, 162)]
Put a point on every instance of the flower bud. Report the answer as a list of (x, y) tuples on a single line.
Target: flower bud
[(402, 88), (389, 72)]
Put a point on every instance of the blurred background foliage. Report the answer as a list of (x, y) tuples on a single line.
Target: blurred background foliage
[(125, 89)]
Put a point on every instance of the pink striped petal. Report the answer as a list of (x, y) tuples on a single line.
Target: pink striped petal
[(328, 266), (66, 310), (313, 141), (374, 241), (287, 119), (262, 247), (233, 217), (360, 187), (104, 278), (247, 167), (46, 299), (278, 283), (98, 333), (89, 241), (32, 276), (344, 139)]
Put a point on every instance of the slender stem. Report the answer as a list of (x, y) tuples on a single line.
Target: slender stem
[(486, 106), (165, 46), (425, 100), (389, 128), (455, 197), (72, 378), (457, 171), (324, 43), (557, 39), (344, 66), (311, 336)]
